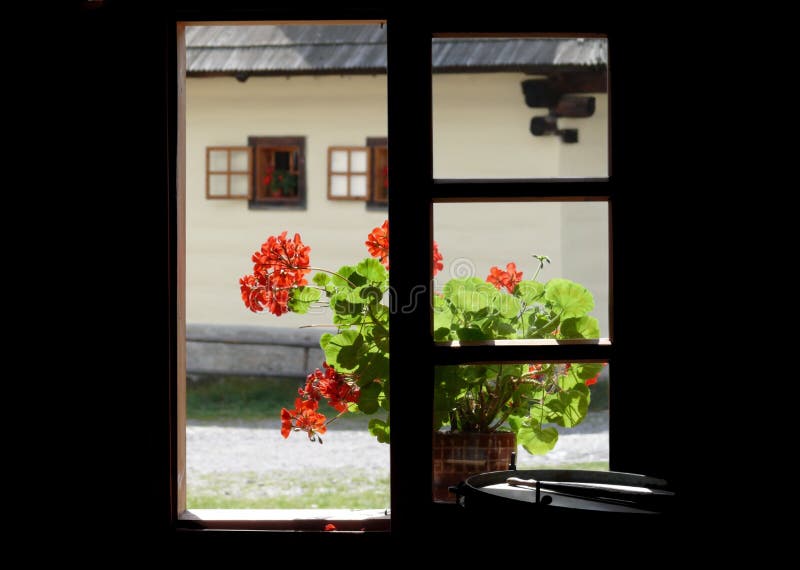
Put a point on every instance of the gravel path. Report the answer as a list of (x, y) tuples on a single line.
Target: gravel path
[(259, 447)]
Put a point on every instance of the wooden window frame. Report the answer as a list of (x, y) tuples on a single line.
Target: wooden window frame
[(376, 145), (349, 173), (228, 172), (413, 513), (279, 144)]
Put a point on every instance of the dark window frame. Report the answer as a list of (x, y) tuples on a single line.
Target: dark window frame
[(259, 202), (413, 514)]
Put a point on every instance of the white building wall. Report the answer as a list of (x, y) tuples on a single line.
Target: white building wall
[(480, 130)]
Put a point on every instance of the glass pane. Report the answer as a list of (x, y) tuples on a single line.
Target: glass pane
[(218, 184), (549, 119), (358, 186), (339, 161), (239, 160), (218, 161), (238, 185), (552, 415), (338, 185), (358, 161), (521, 270), (244, 367)]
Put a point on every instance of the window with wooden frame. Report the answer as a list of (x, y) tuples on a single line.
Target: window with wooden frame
[(229, 172), (379, 184), (279, 175), (412, 239), (348, 172)]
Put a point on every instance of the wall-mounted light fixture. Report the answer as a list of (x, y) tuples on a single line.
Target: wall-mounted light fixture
[(545, 93)]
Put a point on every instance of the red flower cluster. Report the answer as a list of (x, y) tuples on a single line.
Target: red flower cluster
[(508, 278), (305, 418), (378, 245), (280, 265), (330, 385)]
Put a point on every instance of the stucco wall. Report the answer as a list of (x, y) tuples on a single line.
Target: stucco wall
[(481, 130)]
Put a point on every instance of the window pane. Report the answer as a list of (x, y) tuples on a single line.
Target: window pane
[(553, 415), (358, 161), (244, 367), (520, 107), (238, 185), (338, 185), (218, 184), (218, 161), (339, 161), (562, 293), (358, 186), (239, 160)]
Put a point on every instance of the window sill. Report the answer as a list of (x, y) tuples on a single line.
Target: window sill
[(285, 519)]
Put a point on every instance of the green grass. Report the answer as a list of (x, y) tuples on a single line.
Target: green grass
[(239, 398), (321, 489)]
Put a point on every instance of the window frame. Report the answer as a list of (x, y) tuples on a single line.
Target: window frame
[(229, 173), (376, 145), (410, 451), (279, 144), (349, 173)]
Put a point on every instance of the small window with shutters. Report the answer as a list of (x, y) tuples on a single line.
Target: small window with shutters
[(229, 172), (279, 177), (349, 172), (379, 185)]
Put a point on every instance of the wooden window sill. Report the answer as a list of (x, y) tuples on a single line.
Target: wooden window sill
[(286, 519)]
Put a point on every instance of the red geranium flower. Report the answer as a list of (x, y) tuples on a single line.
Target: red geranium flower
[(304, 417), (508, 278), (282, 261), (378, 243), (437, 259), (591, 381), (332, 386), (330, 526)]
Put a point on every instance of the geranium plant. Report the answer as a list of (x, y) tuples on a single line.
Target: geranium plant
[(523, 398)]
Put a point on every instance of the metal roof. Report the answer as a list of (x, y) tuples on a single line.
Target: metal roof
[(310, 49)]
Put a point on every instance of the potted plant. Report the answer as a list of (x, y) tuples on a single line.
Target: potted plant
[(481, 412)]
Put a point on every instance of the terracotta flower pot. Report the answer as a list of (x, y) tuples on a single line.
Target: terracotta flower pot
[(458, 455)]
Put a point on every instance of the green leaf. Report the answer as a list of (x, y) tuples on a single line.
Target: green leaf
[(507, 305), (573, 406), (301, 298), (568, 298), (321, 279), (372, 365), (441, 334), (442, 317), (380, 429), (368, 398), (348, 306), (586, 370), (343, 350), (536, 440), (515, 423), (583, 327), (324, 340), (373, 271), (469, 294), (529, 292), (471, 334), (348, 277), (369, 294)]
